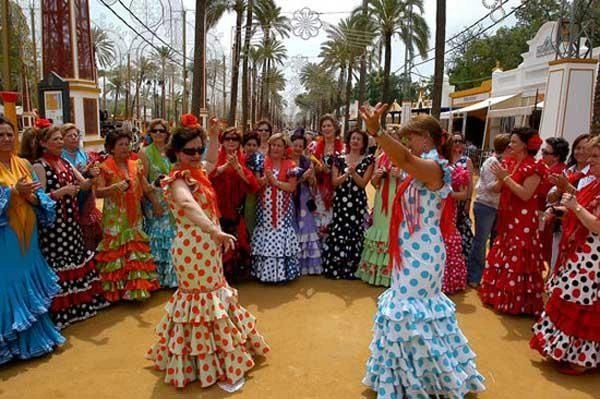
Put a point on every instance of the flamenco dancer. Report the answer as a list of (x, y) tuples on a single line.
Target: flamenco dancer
[(417, 349), (205, 334)]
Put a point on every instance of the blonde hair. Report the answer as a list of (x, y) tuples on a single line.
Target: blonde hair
[(68, 126)]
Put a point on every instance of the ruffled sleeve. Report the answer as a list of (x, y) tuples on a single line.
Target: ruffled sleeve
[(46, 209), (4, 198), (180, 174), (446, 189)]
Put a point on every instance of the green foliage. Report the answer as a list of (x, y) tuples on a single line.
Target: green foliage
[(20, 48), (400, 89)]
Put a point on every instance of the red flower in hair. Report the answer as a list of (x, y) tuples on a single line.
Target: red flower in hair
[(534, 143), (42, 123), (189, 120)]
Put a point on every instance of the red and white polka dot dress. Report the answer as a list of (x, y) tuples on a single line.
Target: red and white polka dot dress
[(205, 334), (512, 280)]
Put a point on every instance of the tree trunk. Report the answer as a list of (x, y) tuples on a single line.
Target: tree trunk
[(362, 84), (348, 95), (199, 73), (440, 42), (163, 92), (253, 87), (595, 125), (245, 72), (387, 90), (340, 90), (235, 67)]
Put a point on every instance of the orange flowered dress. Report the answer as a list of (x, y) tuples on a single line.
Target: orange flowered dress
[(205, 334)]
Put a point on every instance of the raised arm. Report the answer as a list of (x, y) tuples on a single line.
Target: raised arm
[(426, 171), (212, 150)]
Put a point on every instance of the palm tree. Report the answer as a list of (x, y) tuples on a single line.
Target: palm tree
[(104, 47), (268, 16), (321, 90), (272, 52), (238, 6), (246, 62), (163, 54), (390, 18), (440, 42)]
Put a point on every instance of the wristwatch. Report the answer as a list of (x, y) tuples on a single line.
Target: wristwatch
[(578, 208)]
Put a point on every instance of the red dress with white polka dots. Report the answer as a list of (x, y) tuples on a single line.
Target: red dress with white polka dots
[(512, 280), (205, 334)]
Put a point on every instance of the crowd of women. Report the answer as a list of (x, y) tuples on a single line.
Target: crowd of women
[(198, 213)]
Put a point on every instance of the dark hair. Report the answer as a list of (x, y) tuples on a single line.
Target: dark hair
[(265, 122), (331, 118), (28, 143), (180, 137), (113, 136), (572, 161), (299, 131), (524, 134), (7, 122), (427, 125), (43, 135), (230, 131), (365, 139), (560, 147), (299, 137), (251, 135), (501, 142)]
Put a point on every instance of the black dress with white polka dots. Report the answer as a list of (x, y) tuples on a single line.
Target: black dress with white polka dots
[(347, 229), (62, 246)]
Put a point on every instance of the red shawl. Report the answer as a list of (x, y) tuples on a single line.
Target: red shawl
[(324, 183), (286, 166), (231, 189), (574, 232), (134, 192), (385, 163), (396, 220)]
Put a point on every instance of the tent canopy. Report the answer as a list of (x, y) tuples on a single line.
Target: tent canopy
[(483, 104)]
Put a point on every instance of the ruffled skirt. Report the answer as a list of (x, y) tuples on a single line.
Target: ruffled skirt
[(373, 267), (206, 336), (418, 350), (161, 232), (126, 266), (275, 254), (27, 285)]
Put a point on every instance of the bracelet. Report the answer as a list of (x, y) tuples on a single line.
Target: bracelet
[(577, 209), (505, 178), (379, 133)]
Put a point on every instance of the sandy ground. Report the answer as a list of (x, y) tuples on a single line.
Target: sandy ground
[(319, 331)]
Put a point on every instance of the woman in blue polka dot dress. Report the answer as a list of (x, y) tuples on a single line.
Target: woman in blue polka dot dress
[(418, 350)]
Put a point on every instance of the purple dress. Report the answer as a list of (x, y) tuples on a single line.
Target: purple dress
[(308, 238)]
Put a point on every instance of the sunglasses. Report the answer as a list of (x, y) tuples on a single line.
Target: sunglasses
[(262, 130), (158, 131), (193, 151), (231, 138), (546, 152)]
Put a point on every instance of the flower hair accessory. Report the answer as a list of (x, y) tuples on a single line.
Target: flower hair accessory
[(189, 120), (534, 143), (42, 123)]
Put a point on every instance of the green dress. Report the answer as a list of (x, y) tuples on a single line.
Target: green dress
[(373, 266)]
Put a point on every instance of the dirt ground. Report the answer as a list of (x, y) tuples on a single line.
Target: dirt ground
[(319, 331)]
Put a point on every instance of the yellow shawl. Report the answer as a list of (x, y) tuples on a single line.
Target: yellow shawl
[(21, 216)]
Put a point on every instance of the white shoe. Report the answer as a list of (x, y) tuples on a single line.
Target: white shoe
[(236, 386)]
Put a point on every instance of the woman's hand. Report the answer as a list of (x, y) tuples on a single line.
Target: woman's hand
[(26, 189), (214, 128), (396, 172), (121, 186), (569, 201), (379, 172), (94, 170), (69, 189), (373, 118), (561, 182), (223, 239), (499, 171)]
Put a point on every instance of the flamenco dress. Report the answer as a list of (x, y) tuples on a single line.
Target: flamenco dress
[(61, 242), (418, 349), (373, 267), (512, 280), (123, 257), (27, 283), (455, 271), (205, 334), (160, 229)]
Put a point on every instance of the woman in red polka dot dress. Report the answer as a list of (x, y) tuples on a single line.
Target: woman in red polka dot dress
[(512, 280), (205, 334), (569, 329)]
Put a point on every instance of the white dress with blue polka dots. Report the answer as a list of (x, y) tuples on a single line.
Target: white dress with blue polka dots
[(418, 349)]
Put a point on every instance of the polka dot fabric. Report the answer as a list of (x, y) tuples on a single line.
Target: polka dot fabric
[(455, 272), (275, 249), (512, 280), (62, 245), (418, 349), (344, 243), (205, 335), (569, 328)]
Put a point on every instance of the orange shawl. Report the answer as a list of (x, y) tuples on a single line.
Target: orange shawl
[(21, 216), (134, 192)]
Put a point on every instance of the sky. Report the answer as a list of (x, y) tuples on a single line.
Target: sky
[(460, 14)]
